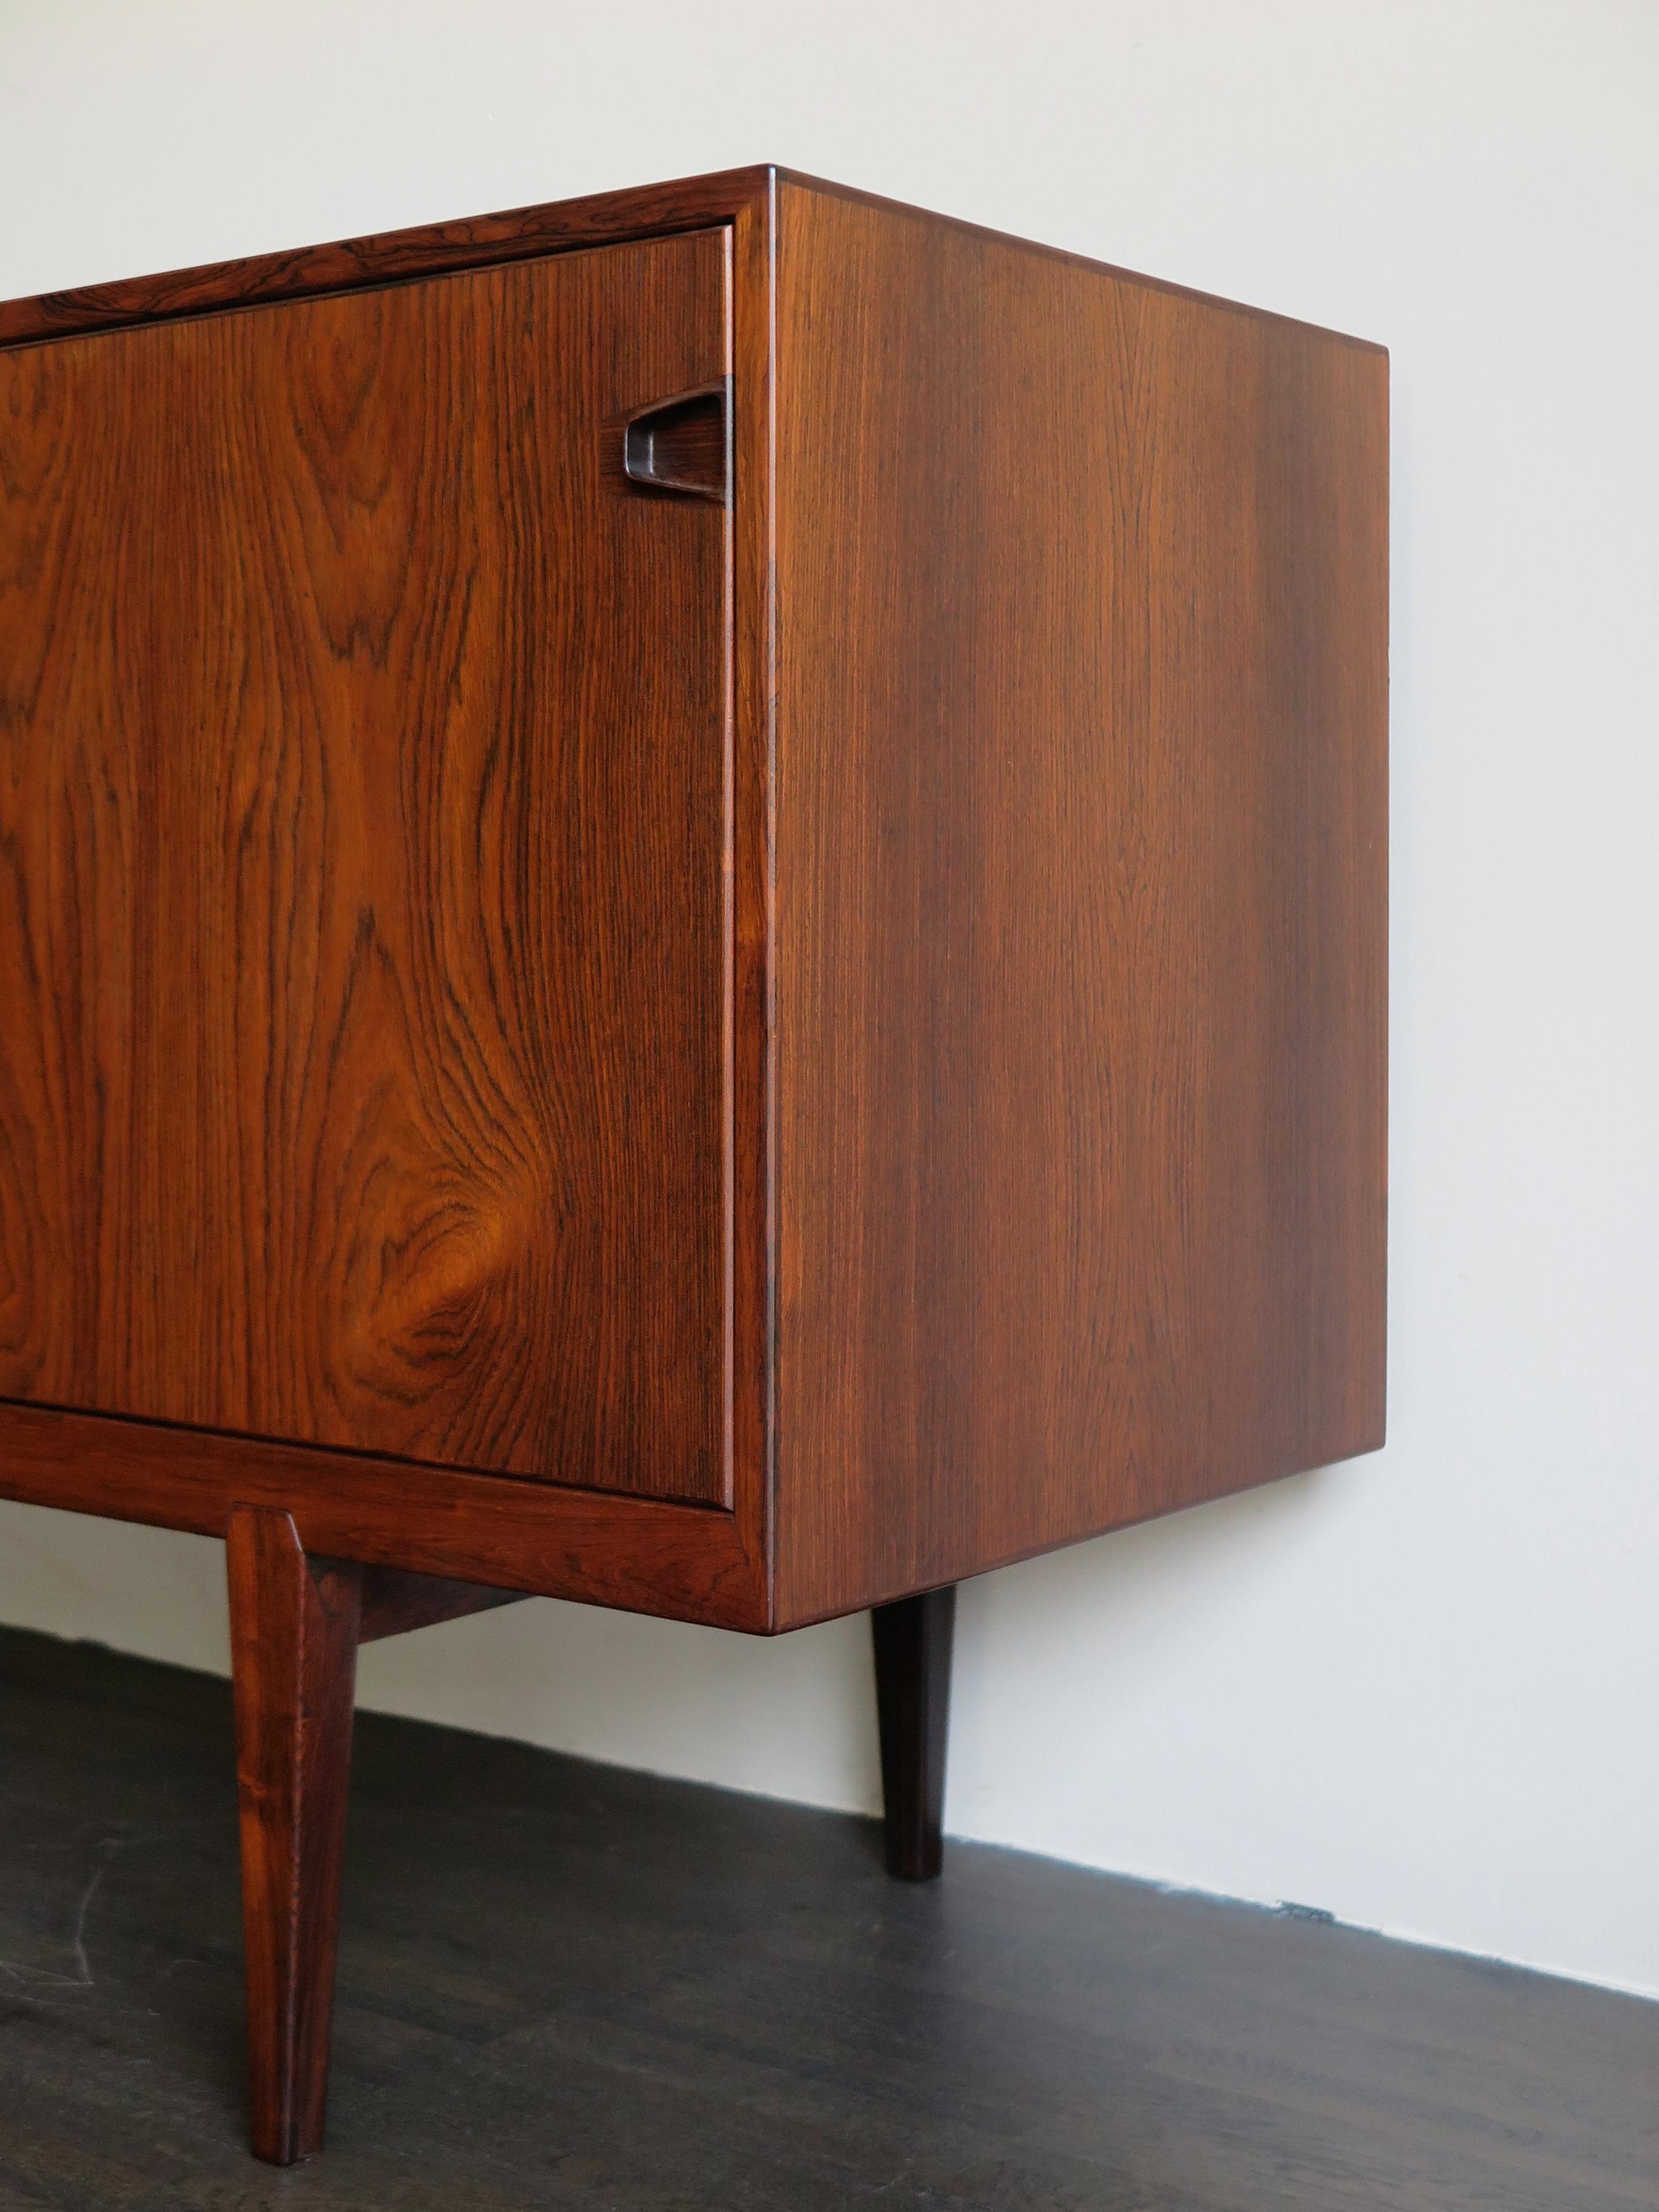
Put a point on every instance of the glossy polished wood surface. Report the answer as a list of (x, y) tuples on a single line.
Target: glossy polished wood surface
[(692, 916), (937, 1113), (1081, 865), (640, 1554), (294, 1634), (424, 250), (364, 765)]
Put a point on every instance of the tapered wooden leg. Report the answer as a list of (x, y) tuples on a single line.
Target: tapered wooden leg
[(293, 1624), (913, 1706)]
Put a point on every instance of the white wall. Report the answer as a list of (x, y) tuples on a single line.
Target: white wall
[(1422, 1691)]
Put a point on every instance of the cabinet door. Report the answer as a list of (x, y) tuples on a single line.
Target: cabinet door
[(363, 790)]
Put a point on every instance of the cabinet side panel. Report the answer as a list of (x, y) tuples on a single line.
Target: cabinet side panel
[(1081, 879)]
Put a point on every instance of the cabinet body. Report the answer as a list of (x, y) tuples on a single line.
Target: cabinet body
[(738, 1043)]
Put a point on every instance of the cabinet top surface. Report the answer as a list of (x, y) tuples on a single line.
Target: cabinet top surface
[(465, 242)]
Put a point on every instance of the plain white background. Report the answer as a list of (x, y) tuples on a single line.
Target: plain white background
[(1421, 1692)]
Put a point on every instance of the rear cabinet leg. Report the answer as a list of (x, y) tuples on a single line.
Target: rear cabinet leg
[(294, 1629), (913, 1702)]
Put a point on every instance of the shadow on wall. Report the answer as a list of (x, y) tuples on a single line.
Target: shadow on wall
[(1057, 1661)]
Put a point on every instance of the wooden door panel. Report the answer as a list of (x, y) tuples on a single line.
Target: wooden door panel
[(364, 745)]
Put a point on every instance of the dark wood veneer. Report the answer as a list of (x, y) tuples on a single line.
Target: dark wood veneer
[(374, 1010), (683, 445), (387, 257), (687, 1563), (1082, 861), (295, 1623), (692, 915), (293, 1631)]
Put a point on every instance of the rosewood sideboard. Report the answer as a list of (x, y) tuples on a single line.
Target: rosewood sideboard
[(692, 915)]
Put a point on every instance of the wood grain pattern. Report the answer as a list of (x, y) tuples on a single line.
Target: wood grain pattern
[(363, 774), (293, 1626), (1025, 1000), (683, 445), (744, 1056), (752, 1407), (722, 196), (639, 1554), (423, 250), (1081, 881)]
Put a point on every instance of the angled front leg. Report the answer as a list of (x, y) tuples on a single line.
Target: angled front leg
[(913, 1639), (293, 1624)]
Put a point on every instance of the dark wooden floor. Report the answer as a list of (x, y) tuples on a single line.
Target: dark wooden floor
[(564, 1985)]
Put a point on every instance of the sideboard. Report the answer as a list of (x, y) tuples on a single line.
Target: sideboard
[(692, 916)]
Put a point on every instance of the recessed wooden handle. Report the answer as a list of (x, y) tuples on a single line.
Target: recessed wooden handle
[(683, 444)]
